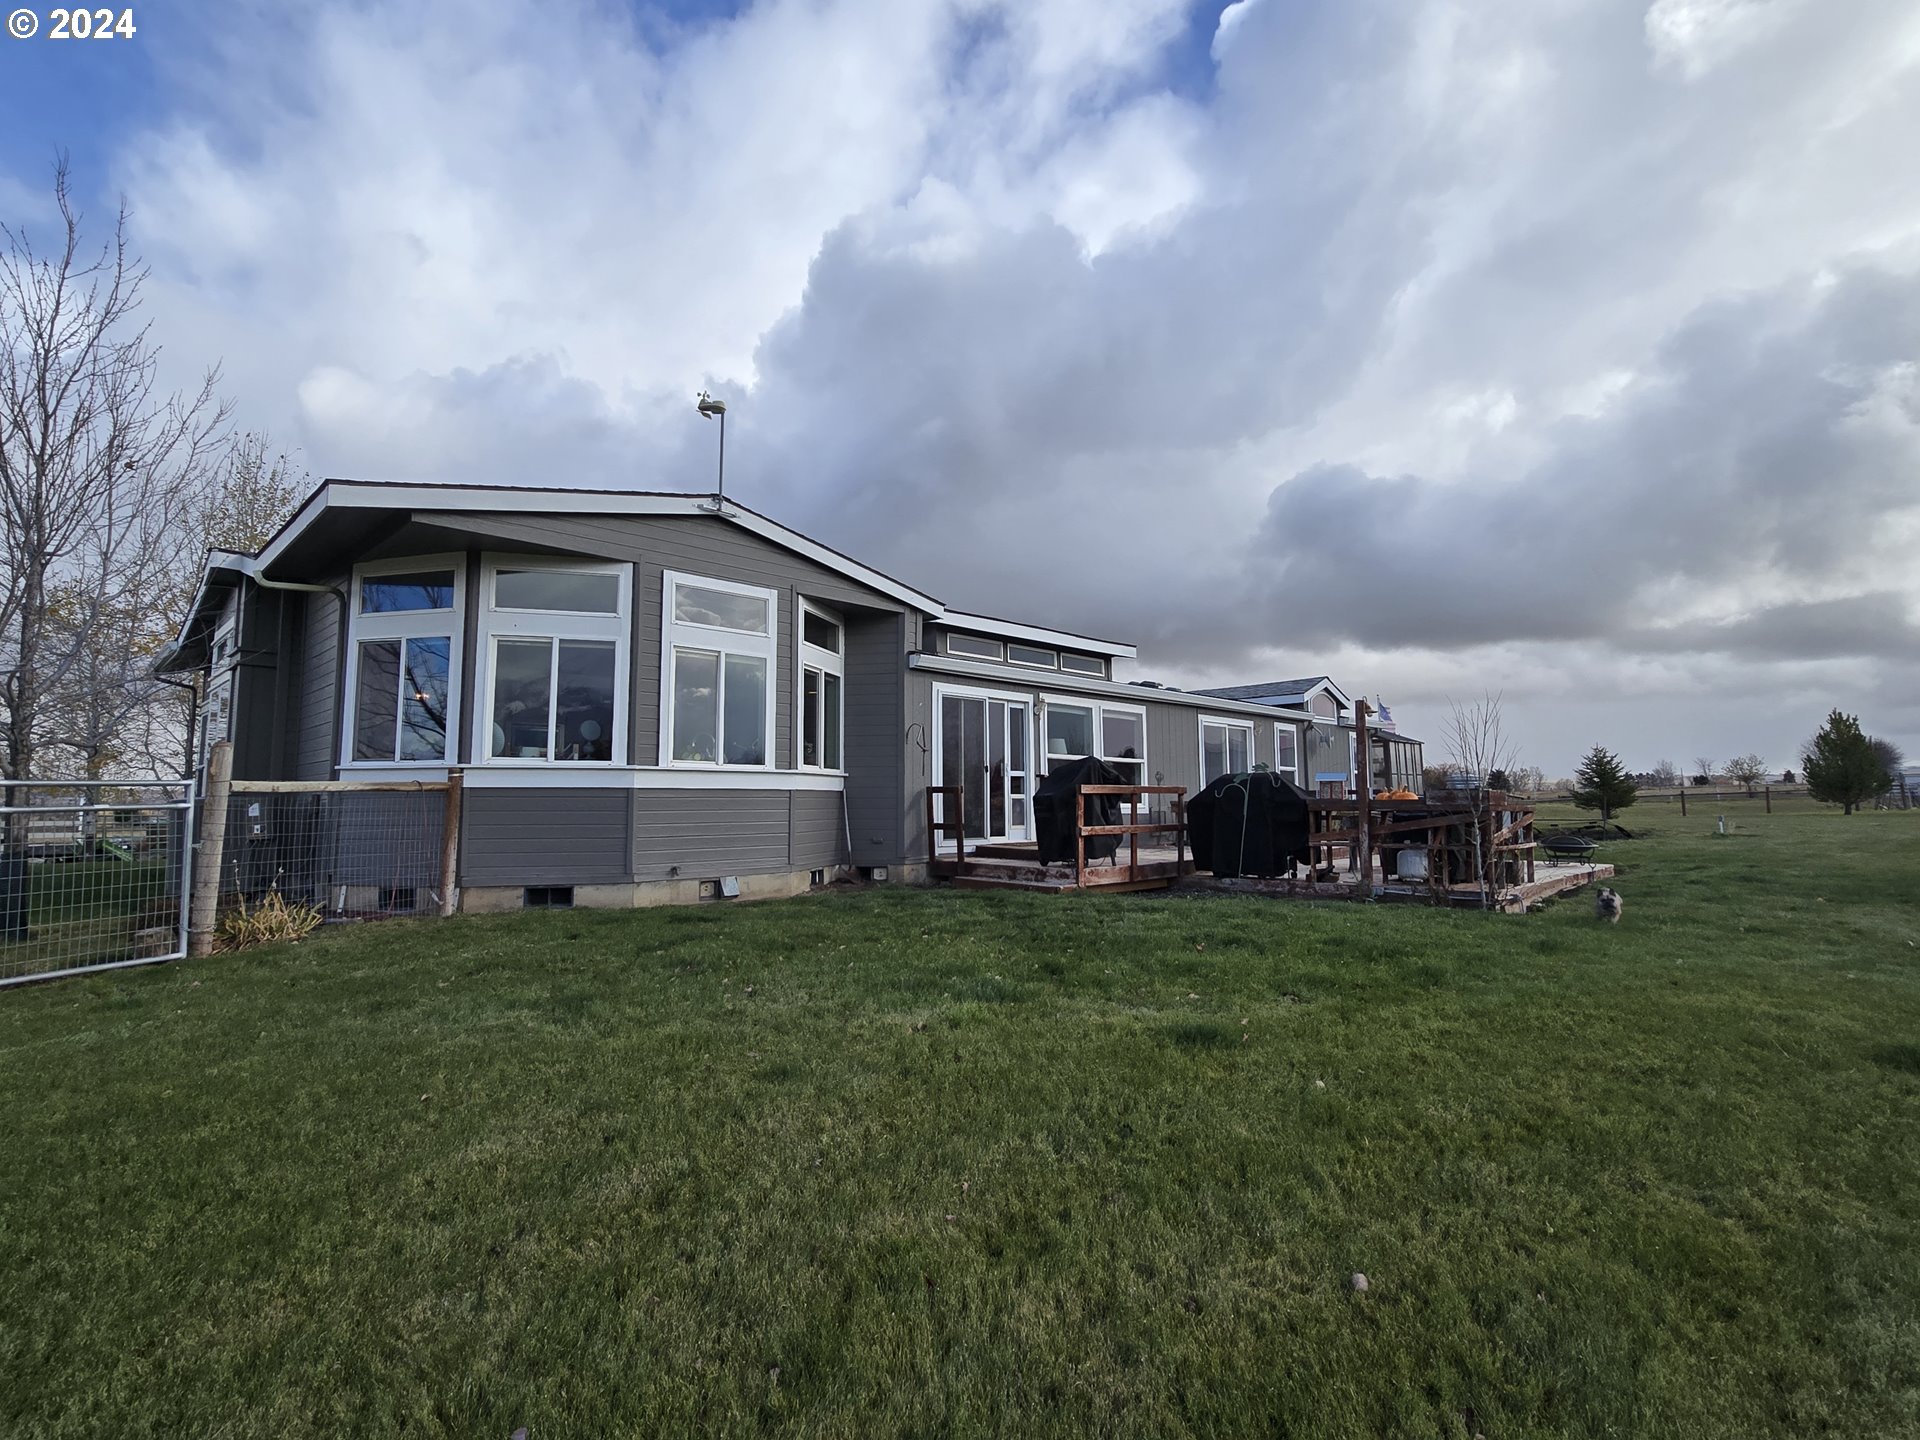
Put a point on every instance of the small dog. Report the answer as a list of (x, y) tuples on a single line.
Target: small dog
[(1607, 906)]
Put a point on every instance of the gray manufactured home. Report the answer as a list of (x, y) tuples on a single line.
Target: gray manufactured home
[(646, 692)]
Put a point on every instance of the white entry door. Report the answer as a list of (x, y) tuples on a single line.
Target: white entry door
[(983, 745)]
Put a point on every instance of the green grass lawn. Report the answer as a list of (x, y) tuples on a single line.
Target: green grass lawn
[(926, 1164)]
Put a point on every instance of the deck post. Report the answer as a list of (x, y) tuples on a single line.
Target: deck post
[(1079, 835), (1180, 836)]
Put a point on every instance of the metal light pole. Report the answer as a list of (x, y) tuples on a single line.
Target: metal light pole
[(710, 407)]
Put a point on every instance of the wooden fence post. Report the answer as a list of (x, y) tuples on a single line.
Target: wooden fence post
[(450, 847), (1769, 799), (1079, 836), (1364, 856), (210, 853), (1683, 802)]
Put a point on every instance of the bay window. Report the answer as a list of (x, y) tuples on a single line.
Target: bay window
[(717, 653), (1226, 748), (554, 638), (822, 688), (403, 661)]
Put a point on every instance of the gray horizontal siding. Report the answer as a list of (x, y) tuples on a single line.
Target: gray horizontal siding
[(545, 837), (701, 834), (875, 734), (616, 836), (815, 831), (315, 687)]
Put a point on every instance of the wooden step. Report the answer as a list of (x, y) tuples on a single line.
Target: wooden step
[(995, 882)]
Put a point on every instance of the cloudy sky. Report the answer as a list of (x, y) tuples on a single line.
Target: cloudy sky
[(1563, 348)]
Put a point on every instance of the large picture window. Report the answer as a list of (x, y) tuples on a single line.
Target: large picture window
[(403, 660), (1115, 733), (822, 687), (1226, 748), (555, 642), (717, 660)]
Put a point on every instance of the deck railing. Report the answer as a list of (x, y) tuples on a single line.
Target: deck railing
[(1132, 873), (1488, 834), (953, 828), (947, 801)]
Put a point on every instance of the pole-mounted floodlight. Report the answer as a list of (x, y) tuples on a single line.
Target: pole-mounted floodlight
[(710, 407)]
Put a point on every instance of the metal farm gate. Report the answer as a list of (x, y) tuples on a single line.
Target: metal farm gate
[(94, 875)]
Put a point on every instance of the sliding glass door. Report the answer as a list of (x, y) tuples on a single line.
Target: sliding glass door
[(982, 748)]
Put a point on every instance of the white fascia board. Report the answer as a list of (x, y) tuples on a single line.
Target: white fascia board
[(1022, 677), (1039, 634)]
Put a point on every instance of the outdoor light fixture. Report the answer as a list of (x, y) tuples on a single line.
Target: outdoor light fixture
[(710, 407)]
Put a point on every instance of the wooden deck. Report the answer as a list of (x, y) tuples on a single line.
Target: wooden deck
[(990, 865), (1478, 850), (1549, 880), (1018, 867)]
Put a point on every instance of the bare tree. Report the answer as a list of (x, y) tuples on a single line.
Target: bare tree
[(1666, 774), (1894, 761), (96, 465), (1703, 770), (1748, 770), (1478, 745), (110, 712), (1475, 740)]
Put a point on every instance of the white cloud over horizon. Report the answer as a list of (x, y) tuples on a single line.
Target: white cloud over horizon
[(1567, 348)]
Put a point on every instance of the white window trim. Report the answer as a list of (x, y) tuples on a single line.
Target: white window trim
[(808, 657), (1099, 708), (1229, 723), (711, 637), (403, 625), (999, 658), (1053, 663), (1281, 727), (496, 624)]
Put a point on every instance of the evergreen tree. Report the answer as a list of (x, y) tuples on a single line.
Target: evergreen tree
[(1841, 765), (1602, 784)]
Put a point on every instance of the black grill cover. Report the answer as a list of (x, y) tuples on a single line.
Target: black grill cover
[(1053, 809), (1249, 824)]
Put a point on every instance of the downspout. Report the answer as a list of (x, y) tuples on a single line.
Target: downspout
[(340, 647)]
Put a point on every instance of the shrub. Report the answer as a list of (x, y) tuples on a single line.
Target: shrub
[(270, 920)]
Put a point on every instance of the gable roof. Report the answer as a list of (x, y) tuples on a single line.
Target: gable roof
[(1281, 690), (339, 497)]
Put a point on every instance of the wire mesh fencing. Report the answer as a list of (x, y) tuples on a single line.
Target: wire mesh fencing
[(333, 852), (93, 875)]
